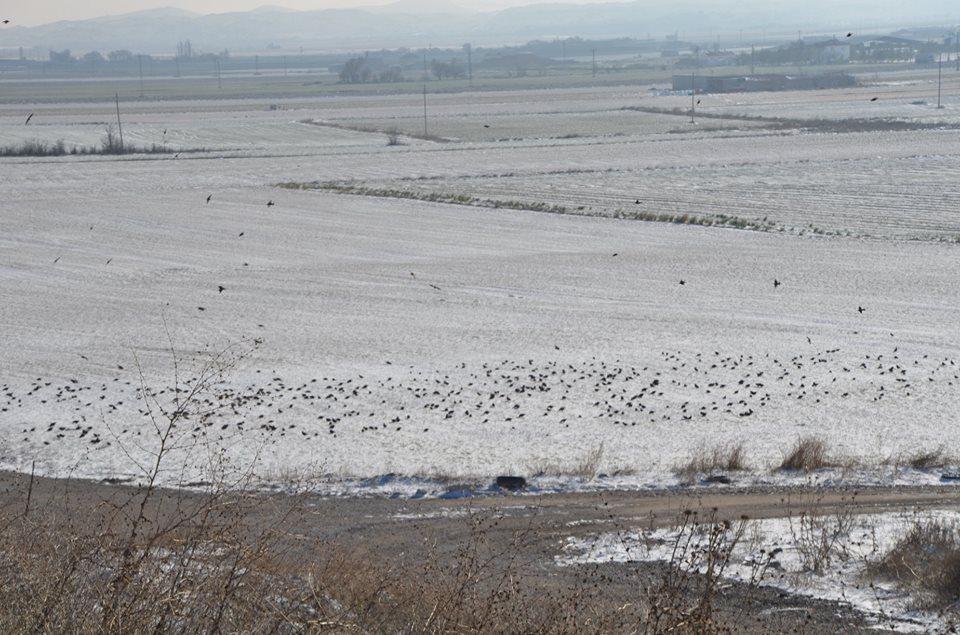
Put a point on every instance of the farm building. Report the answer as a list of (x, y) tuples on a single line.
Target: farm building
[(766, 82)]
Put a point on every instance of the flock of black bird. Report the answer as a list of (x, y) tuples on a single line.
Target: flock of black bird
[(547, 396)]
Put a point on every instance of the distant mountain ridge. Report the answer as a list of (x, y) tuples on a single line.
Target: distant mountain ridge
[(424, 23)]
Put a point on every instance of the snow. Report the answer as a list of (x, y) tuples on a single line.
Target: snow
[(448, 344), (771, 553)]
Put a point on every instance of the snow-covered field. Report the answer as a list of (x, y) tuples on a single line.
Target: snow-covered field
[(454, 342)]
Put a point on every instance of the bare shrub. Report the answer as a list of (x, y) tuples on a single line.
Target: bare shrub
[(393, 137), (682, 598), (820, 534), (926, 563), (807, 454)]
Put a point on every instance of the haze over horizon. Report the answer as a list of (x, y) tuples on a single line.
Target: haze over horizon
[(58, 10)]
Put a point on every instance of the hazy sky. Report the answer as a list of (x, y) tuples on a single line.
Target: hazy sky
[(33, 13)]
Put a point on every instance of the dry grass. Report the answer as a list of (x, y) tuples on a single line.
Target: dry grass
[(725, 457), (586, 467), (929, 459), (807, 454), (926, 563)]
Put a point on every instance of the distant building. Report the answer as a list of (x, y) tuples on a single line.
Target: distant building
[(830, 52), (754, 83)]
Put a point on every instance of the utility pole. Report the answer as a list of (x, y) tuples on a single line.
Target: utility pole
[(424, 110), (140, 66), (469, 61), (939, 77), (119, 125), (693, 85)]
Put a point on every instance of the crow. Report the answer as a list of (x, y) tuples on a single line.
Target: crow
[(616, 254), (683, 282), (208, 198), (200, 308), (241, 235), (636, 202), (486, 125), (270, 203), (29, 117), (849, 34), (874, 98), (861, 309), (776, 283), (6, 21), (221, 288)]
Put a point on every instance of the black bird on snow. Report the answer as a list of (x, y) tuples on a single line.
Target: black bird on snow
[(776, 283), (208, 198), (861, 309), (486, 125), (270, 203), (241, 235), (29, 117), (615, 254), (56, 260), (200, 308), (874, 98), (683, 282), (6, 21), (636, 202), (221, 288)]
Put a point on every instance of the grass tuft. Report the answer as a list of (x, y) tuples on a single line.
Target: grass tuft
[(807, 454)]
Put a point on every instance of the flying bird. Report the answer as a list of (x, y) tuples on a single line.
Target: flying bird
[(6, 21), (200, 308), (109, 260), (776, 283), (861, 309), (221, 288), (849, 34), (874, 98), (208, 198), (56, 260), (616, 254), (270, 203), (486, 125), (683, 282), (29, 117), (241, 234)]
